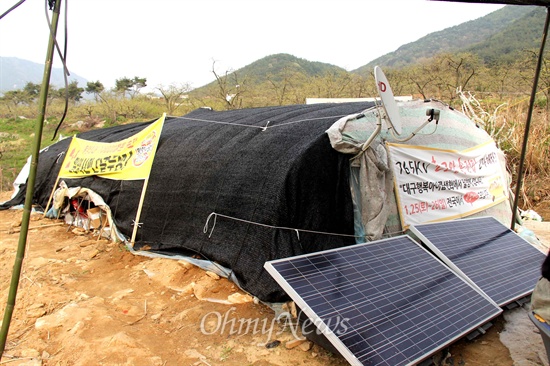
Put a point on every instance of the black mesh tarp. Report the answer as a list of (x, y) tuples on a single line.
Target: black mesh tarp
[(285, 175)]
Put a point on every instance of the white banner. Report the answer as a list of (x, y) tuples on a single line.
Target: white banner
[(437, 185)]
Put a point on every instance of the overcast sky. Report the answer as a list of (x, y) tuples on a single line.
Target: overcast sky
[(176, 41)]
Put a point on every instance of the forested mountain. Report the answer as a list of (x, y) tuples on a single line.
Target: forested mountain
[(496, 37), (269, 78), (500, 37), (275, 68), (524, 34)]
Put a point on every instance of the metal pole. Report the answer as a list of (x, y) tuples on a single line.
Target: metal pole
[(16, 274), (528, 123)]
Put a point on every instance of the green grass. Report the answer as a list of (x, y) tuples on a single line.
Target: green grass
[(226, 351), (16, 141)]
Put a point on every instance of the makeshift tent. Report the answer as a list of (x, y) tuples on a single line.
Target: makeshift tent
[(247, 186), (372, 176)]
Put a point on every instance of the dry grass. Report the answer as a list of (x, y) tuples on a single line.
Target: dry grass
[(506, 122)]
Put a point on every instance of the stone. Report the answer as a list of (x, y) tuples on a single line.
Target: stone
[(238, 298), (212, 275), (89, 253), (294, 343), (306, 346), (36, 311), (30, 353)]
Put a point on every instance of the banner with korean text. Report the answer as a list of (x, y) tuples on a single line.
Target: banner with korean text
[(437, 185), (129, 159)]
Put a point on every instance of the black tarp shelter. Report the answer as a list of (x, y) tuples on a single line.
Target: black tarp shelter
[(285, 175)]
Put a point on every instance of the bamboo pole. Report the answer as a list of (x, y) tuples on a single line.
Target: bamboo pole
[(16, 273)]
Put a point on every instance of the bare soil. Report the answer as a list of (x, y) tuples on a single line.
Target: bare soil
[(84, 301)]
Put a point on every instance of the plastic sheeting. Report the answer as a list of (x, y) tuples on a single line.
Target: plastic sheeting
[(376, 212), (59, 207)]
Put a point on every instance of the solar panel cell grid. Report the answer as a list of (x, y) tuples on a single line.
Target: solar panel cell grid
[(386, 303), (495, 258)]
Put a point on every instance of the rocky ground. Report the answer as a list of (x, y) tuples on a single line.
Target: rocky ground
[(84, 301)]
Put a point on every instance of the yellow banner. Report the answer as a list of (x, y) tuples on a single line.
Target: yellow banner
[(129, 159)]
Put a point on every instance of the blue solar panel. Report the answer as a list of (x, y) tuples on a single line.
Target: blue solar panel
[(496, 259), (388, 302)]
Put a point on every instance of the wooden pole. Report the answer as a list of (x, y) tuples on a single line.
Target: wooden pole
[(138, 214), (143, 191), (51, 196)]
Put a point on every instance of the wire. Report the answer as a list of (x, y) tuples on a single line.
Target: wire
[(306, 120), (221, 123), (62, 56), (266, 127), (11, 9), (215, 215)]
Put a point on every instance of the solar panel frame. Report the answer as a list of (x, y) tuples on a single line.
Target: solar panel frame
[(507, 275), (330, 283)]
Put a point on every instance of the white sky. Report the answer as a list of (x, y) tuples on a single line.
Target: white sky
[(176, 41)]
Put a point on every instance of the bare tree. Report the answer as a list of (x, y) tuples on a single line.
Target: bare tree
[(174, 95), (230, 88), (461, 69), (421, 79), (283, 85)]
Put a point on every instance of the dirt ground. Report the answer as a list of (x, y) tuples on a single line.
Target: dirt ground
[(84, 301)]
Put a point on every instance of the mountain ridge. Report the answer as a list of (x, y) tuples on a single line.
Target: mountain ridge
[(15, 73), (465, 36), (496, 37)]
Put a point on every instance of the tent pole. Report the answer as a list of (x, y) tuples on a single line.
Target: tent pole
[(528, 123), (16, 273), (140, 207), (51, 196)]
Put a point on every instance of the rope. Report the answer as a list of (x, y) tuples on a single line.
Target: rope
[(306, 120), (215, 215), (222, 123), (263, 128)]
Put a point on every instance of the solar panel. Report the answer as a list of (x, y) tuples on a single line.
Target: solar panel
[(496, 259), (388, 302)]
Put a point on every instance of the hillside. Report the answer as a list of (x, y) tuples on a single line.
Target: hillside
[(276, 68), (276, 65), (498, 37), (507, 45), (503, 32), (15, 73)]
